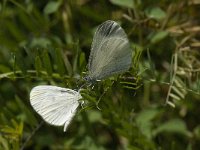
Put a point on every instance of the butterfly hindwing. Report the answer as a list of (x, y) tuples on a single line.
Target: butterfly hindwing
[(55, 105)]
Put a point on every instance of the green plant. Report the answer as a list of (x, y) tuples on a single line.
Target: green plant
[(48, 42)]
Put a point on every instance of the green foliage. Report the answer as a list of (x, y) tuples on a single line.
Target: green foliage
[(124, 3), (155, 13), (51, 7), (48, 42)]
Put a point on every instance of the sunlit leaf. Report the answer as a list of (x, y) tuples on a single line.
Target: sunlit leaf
[(94, 116), (40, 42), (158, 36), (3, 143), (155, 12), (52, 7), (123, 3)]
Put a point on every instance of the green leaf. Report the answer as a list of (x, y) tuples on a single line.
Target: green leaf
[(155, 12), (15, 31), (196, 131), (123, 3), (29, 117), (4, 143), (27, 21), (20, 128), (38, 64), (146, 116), (40, 42), (59, 61), (21, 61), (47, 62), (89, 98), (94, 116), (89, 143), (67, 64), (174, 96), (136, 55), (158, 36), (52, 7), (174, 126), (4, 68), (144, 121), (178, 92), (75, 64), (82, 61)]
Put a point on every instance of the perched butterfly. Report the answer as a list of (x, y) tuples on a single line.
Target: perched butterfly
[(110, 52), (55, 105)]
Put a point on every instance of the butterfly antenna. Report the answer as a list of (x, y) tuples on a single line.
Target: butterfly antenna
[(32, 134), (81, 87)]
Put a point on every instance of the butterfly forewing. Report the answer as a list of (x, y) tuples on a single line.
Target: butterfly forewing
[(110, 51), (55, 105)]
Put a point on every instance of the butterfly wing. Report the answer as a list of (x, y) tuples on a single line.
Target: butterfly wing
[(110, 51), (55, 105)]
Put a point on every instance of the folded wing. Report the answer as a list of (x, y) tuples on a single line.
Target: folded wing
[(55, 105), (110, 51)]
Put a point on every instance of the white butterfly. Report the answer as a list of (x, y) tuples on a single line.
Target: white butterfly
[(55, 105), (110, 52)]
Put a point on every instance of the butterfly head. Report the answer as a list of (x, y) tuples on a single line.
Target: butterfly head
[(89, 79)]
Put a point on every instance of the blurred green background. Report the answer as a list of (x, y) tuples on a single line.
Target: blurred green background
[(153, 106)]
